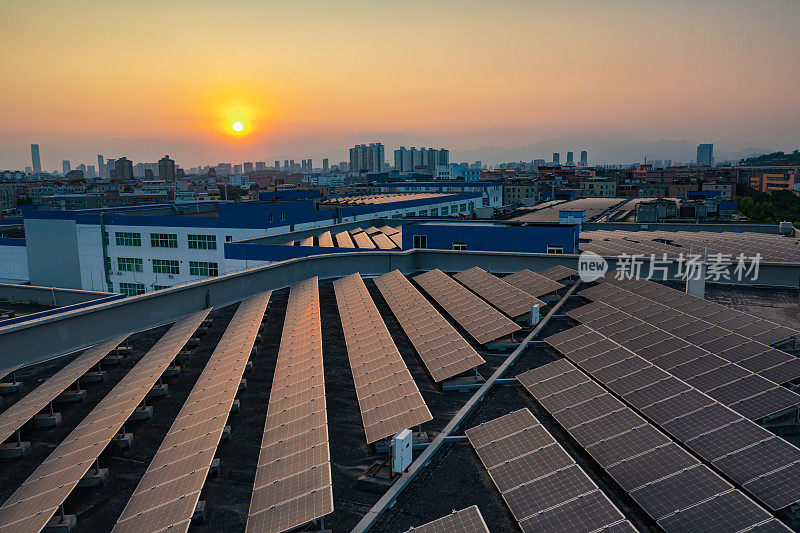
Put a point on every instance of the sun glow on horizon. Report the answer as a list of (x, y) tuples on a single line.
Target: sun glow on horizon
[(237, 126)]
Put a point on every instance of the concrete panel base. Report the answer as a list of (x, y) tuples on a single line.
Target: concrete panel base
[(94, 376), (172, 371), (10, 387), (142, 413), (194, 342), (123, 441), (235, 407), (12, 450), (112, 360), (124, 350), (253, 351), (463, 383), (94, 478), (248, 366), (70, 396), (502, 345), (213, 469), (199, 512), (242, 385), (47, 420), (58, 524), (183, 356), (226, 433), (158, 391)]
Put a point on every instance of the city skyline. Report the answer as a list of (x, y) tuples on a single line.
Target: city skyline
[(508, 75)]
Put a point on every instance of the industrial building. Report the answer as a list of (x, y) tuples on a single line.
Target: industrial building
[(269, 400)]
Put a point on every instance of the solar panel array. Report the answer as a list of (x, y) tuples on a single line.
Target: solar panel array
[(762, 464), (504, 296), (532, 283), (558, 272), (168, 492), (467, 520), (673, 487), (293, 479), (6, 371), (25, 409), (373, 199), (387, 395), (548, 212), (443, 350), (540, 482), (757, 328), (32, 505), (478, 318), (308, 241), (721, 376), (383, 241), (771, 247)]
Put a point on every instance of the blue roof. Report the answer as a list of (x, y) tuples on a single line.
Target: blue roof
[(476, 184)]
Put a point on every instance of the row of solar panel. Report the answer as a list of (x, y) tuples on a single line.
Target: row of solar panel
[(765, 466), (673, 487)]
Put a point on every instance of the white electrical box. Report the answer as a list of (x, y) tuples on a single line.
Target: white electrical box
[(402, 451), (534, 315)]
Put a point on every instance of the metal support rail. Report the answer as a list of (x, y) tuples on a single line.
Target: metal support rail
[(388, 500)]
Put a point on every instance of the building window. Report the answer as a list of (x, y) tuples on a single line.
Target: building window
[(166, 266), (270, 217), (228, 238), (459, 246), (105, 238), (125, 238), (202, 268), (131, 289), (444, 210), (163, 240), (555, 249), (129, 264), (435, 212), (160, 287), (202, 242), (107, 261), (283, 215), (463, 208), (420, 241), (110, 287), (423, 212), (471, 205)]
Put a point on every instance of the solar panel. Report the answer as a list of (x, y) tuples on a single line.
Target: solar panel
[(536, 477), (38, 498), (379, 371), (661, 476), (479, 319), (22, 411), (325, 239), (558, 272), (467, 520), (532, 283), (195, 432), (443, 350), (504, 296), (343, 240)]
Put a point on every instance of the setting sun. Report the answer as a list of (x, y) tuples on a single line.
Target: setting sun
[(237, 126)]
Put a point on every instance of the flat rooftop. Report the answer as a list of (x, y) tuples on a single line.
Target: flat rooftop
[(455, 479)]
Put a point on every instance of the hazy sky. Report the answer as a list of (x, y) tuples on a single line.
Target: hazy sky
[(309, 78)]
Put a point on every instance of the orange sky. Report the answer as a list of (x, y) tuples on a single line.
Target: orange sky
[(308, 78)]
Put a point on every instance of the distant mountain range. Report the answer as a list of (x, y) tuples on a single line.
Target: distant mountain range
[(602, 150)]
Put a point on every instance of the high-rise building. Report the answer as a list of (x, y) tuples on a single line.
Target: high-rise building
[(65, 166), (277, 165), (570, 159), (261, 165), (444, 156), (237, 169), (247, 167), (123, 169), (36, 162), (325, 165), (166, 169), (101, 167), (90, 172), (705, 155), (584, 158), (556, 158), (286, 164), (365, 158)]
